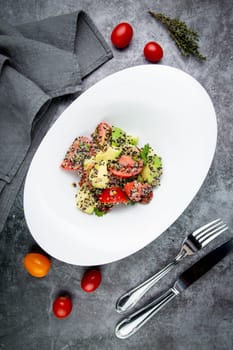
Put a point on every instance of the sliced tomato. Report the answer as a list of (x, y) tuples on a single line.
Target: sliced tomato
[(147, 198), (112, 195), (127, 167), (126, 161), (81, 148), (138, 192), (102, 133)]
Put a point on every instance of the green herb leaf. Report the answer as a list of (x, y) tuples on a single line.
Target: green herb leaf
[(144, 153), (99, 212), (185, 38)]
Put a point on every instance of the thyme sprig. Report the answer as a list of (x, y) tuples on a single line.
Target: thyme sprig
[(185, 38)]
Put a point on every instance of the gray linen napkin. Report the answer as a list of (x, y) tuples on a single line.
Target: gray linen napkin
[(39, 63)]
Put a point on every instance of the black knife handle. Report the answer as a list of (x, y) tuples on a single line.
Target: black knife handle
[(203, 265)]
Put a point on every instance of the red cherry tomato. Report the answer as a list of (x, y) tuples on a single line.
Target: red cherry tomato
[(153, 52), (122, 35), (91, 280), (112, 195), (62, 306)]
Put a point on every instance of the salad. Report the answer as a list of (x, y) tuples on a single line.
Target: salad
[(112, 169)]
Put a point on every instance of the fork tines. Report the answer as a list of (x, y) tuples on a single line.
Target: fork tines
[(207, 233)]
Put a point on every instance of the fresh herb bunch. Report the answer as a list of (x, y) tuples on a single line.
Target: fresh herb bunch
[(185, 38), (144, 153)]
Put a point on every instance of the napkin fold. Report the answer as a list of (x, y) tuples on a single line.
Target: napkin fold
[(39, 63)]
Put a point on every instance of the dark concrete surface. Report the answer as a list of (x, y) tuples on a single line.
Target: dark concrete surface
[(200, 319)]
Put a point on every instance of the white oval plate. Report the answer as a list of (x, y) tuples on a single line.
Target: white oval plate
[(164, 107)]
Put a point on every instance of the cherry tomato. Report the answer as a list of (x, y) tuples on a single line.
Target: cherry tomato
[(91, 280), (127, 167), (112, 195), (36, 264), (62, 306), (122, 35), (153, 52)]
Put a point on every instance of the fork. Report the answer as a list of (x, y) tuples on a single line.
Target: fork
[(191, 244)]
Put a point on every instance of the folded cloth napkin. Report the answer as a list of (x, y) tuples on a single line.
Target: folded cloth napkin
[(39, 63)]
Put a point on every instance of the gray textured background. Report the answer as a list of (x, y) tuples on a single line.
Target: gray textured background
[(202, 317)]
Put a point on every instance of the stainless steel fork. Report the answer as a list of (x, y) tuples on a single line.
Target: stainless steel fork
[(192, 243)]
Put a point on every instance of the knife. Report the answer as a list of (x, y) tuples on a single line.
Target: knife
[(134, 322)]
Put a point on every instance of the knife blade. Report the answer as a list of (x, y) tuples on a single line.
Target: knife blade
[(134, 322)]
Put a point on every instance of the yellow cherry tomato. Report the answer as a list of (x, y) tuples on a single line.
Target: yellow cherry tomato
[(36, 264)]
